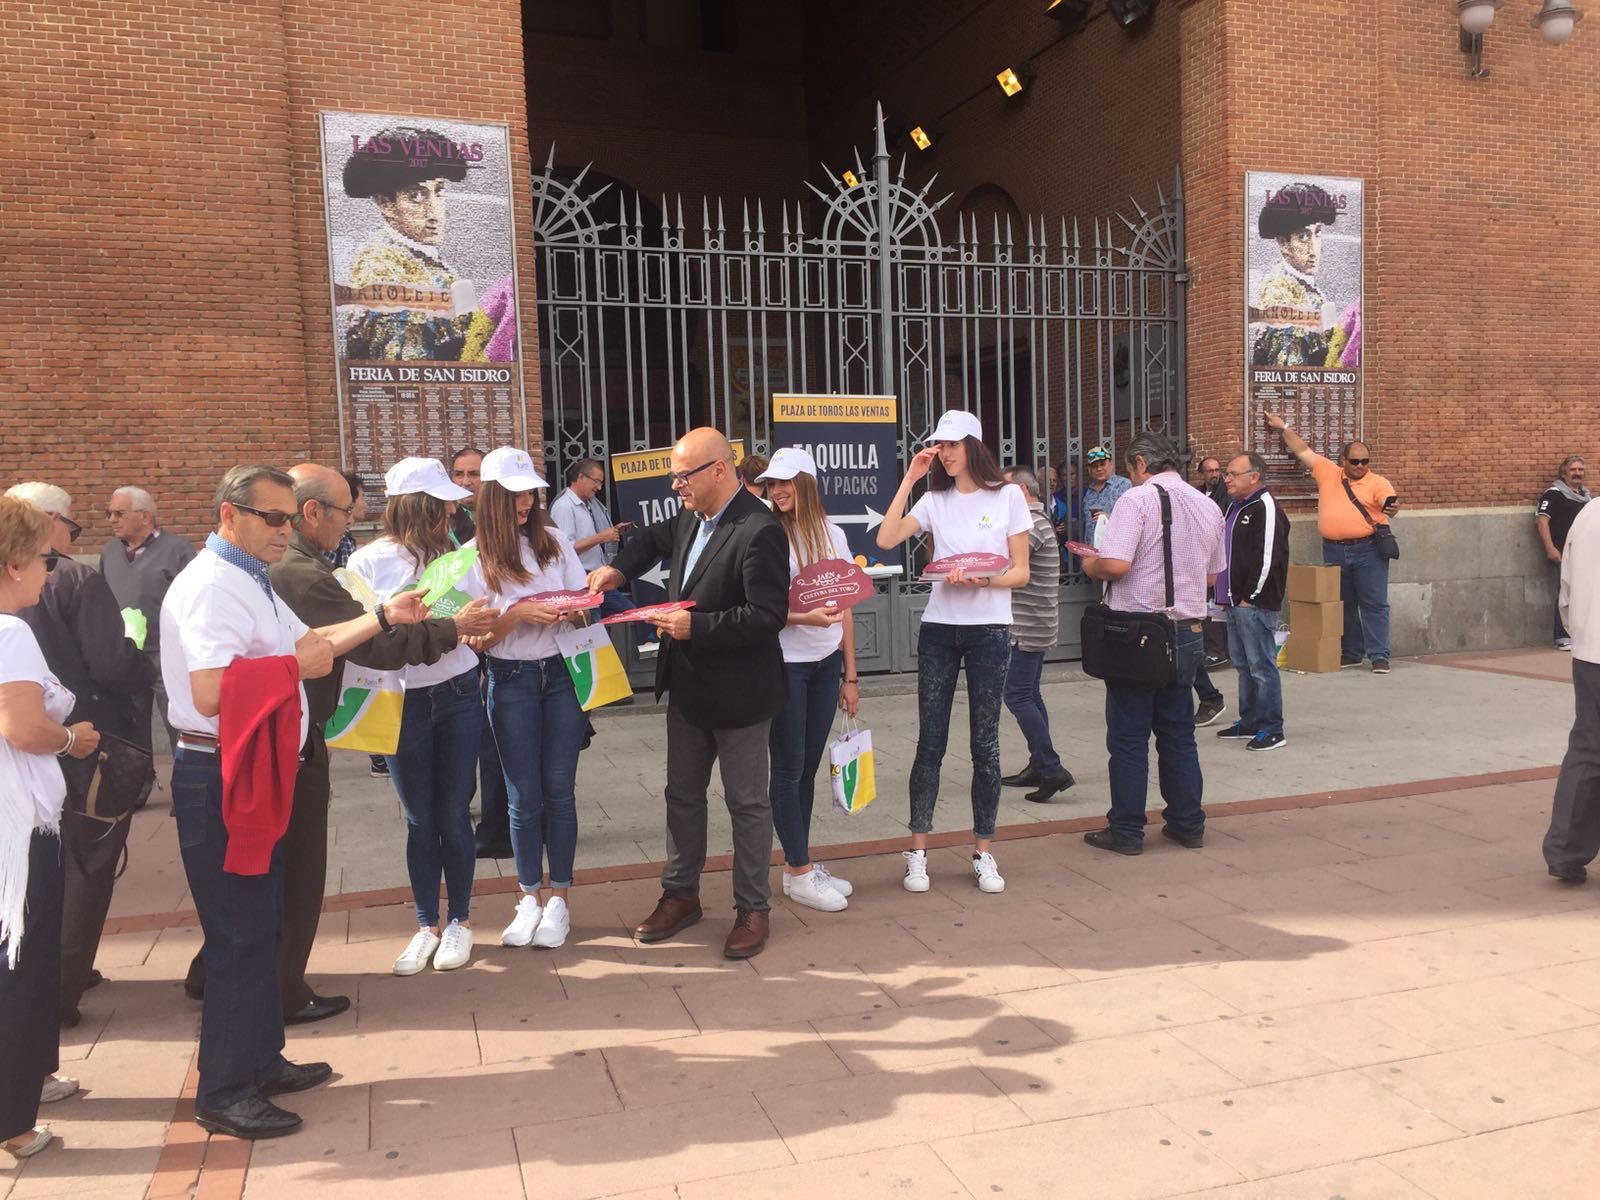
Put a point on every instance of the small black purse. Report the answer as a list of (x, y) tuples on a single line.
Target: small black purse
[(1135, 648), (1383, 539), (112, 783)]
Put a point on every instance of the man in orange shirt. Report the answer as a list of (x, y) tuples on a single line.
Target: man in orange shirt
[(1353, 501)]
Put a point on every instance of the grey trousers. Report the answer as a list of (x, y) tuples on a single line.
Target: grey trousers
[(742, 757), (1574, 836)]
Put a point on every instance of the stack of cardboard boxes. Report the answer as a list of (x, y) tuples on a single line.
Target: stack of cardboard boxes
[(1316, 619)]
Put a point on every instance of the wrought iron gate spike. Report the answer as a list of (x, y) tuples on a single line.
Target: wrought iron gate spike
[(879, 144), (821, 195), (680, 213), (578, 179), (721, 228), (1143, 216), (1077, 242), (785, 205), (1161, 201), (1177, 183), (1132, 228)]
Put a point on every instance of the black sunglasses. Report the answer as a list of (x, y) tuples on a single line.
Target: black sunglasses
[(273, 520), (1358, 462), (73, 528)]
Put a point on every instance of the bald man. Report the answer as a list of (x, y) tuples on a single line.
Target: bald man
[(304, 580), (721, 667)]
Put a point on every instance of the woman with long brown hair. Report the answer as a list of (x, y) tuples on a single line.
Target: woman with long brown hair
[(434, 768), (819, 654), (533, 707)]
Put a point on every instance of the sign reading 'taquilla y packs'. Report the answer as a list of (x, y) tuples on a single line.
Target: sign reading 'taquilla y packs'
[(853, 440)]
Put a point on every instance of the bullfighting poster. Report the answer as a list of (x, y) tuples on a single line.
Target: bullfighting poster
[(1303, 336), (422, 271)]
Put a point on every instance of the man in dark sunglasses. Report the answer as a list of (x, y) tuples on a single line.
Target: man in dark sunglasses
[(1354, 504)]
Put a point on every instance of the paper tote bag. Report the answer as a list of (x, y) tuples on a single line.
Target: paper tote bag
[(592, 661), (367, 719), (855, 782)]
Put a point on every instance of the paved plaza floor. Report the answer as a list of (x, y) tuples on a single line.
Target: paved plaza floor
[(1364, 985)]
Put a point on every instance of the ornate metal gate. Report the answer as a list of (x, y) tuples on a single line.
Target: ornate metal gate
[(650, 324)]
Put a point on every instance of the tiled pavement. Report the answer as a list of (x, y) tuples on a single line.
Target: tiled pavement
[(1382, 995)]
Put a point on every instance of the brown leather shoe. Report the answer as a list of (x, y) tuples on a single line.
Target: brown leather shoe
[(673, 914), (748, 937)]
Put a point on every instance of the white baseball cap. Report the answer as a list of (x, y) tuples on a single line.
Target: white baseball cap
[(512, 469), (954, 426), (788, 462), (411, 475)]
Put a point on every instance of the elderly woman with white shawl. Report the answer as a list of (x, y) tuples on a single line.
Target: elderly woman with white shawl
[(33, 705)]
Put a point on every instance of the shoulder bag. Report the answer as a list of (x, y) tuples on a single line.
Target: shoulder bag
[(112, 782), (1383, 539), (1135, 648)]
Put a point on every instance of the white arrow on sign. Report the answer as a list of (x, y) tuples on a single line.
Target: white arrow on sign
[(872, 518), (657, 575)]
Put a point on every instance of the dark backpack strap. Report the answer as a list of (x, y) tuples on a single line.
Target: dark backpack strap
[(1166, 543), (1360, 507)]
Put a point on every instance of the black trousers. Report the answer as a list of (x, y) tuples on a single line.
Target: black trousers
[(91, 851), (30, 993), (1573, 839), (241, 1023)]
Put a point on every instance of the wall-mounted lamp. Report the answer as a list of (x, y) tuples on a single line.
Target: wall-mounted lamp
[(850, 178), (1013, 79), (1071, 13), (1129, 13), (1554, 21), (921, 137)]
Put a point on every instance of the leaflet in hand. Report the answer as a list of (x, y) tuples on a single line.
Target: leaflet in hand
[(973, 566), (566, 601), (648, 613), (830, 582), (1082, 549)]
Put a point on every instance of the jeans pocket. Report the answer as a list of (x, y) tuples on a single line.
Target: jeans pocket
[(191, 808), (504, 670)]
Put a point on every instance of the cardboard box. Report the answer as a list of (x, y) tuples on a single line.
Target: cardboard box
[(1317, 655), (1316, 621), (1313, 585)]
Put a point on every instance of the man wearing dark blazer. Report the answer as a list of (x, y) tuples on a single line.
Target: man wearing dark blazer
[(723, 671)]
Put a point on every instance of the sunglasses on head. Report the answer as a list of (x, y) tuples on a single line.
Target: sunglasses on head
[(272, 520), (1358, 462)]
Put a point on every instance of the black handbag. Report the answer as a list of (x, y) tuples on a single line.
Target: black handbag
[(1135, 648), (112, 783), (1383, 539)]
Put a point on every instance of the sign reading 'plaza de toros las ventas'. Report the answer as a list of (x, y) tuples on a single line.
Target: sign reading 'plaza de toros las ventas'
[(421, 256), (1303, 342), (852, 439)]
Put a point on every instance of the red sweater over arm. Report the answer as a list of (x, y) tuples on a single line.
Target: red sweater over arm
[(259, 739)]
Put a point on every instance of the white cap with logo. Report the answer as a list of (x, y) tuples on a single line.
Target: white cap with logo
[(955, 425), (789, 461), (512, 469), (412, 475)]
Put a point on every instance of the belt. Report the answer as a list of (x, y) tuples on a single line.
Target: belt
[(200, 743), (1347, 541)]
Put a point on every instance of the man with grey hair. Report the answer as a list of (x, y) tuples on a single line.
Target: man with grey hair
[(139, 563), (1250, 590), (1035, 620), (1133, 563)]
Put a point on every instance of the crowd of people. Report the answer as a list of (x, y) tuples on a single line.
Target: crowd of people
[(244, 644)]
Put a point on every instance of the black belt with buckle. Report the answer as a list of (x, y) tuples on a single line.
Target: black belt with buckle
[(1347, 541)]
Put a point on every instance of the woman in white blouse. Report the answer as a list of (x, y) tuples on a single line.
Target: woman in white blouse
[(32, 706), (533, 706)]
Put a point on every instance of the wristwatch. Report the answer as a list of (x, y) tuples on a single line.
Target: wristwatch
[(383, 618)]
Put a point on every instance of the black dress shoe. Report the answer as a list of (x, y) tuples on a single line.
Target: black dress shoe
[(1049, 785), (70, 1017), (297, 1077), (318, 1008), (1027, 777), (251, 1118), (95, 980), (1189, 841), (1106, 839), (494, 849), (1570, 874)]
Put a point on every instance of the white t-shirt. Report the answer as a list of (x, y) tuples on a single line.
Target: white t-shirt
[(813, 643), (564, 573), (215, 612), (33, 780), (976, 522), (389, 567)]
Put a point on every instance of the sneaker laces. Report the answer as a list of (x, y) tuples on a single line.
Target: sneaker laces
[(414, 948), (985, 865), (451, 940), (916, 861)]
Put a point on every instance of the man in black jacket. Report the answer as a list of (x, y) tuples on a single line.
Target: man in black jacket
[(721, 664), (1256, 540), (80, 630)]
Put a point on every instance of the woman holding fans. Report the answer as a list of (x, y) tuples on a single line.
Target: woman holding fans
[(533, 706), (819, 653), (967, 509)]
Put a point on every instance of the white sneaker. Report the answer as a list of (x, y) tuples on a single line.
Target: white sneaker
[(813, 891), (520, 931), (455, 947), (554, 926), (916, 879), (1564, 644), (57, 1087), (988, 873), (842, 886), (418, 953)]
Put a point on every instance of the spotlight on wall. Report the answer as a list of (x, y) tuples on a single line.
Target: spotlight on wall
[(850, 178), (1071, 13), (921, 137), (1555, 21), (1129, 13), (1013, 79)]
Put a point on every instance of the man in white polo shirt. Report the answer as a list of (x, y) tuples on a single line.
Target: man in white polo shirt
[(219, 610)]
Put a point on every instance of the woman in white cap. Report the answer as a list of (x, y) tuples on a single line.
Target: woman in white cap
[(435, 767), (819, 653), (533, 706), (967, 509)]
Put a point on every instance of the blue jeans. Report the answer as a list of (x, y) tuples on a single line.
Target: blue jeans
[(799, 736), (1254, 650), (1203, 686), (1561, 630), (1364, 588), (241, 1018), (494, 814), (1132, 714), (539, 725), (1025, 702), (941, 650), (434, 773)]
